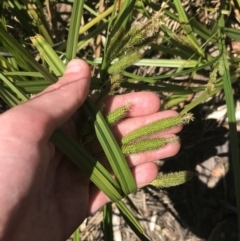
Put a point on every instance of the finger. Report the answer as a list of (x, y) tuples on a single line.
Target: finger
[(143, 175), (141, 103), (55, 105)]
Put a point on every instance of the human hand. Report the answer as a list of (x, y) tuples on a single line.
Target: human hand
[(43, 195)]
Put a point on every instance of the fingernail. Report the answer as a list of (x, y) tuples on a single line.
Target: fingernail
[(74, 66)]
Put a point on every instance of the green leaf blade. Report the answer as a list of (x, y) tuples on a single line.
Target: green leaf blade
[(111, 149)]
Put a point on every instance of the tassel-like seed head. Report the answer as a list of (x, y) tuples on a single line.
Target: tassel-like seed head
[(139, 36), (116, 78), (212, 80), (172, 179), (117, 115), (157, 126), (147, 145), (221, 67), (123, 63), (114, 45)]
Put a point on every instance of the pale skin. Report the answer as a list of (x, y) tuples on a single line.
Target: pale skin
[(43, 195)]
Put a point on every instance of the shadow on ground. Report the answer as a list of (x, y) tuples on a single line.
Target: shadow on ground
[(206, 205)]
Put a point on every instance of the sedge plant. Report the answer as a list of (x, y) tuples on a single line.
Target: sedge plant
[(33, 59)]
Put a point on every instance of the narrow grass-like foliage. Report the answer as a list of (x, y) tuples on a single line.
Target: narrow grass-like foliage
[(32, 58)]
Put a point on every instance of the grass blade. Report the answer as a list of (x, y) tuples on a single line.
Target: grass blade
[(48, 54), (107, 222), (136, 227), (8, 97), (37, 15), (111, 149), (154, 79), (73, 34), (13, 88), (23, 55), (232, 33), (76, 235), (227, 86), (33, 87), (233, 134), (187, 27)]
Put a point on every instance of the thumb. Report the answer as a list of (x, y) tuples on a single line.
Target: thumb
[(57, 103)]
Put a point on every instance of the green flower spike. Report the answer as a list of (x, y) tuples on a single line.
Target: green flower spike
[(147, 145), (221, 66), (125, 61), (115, 79), (212, 80), (114, 45), (117, 115), (172, 179), (157, 126)]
